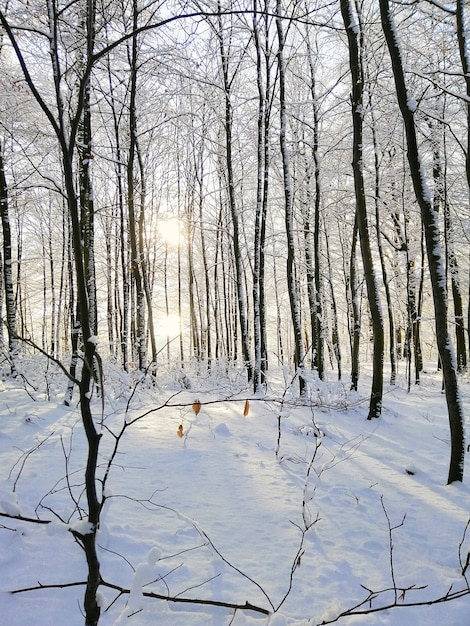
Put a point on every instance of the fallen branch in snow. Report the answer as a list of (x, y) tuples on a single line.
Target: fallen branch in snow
[(40, 586), (399, 593), (22, 518), (177, 599), (150, 594), (356, 610)]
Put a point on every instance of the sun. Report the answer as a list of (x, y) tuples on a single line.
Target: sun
[(170, 230), (169, 325)]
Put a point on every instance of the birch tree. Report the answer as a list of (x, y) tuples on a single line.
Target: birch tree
[(7, 269), (263, 82)]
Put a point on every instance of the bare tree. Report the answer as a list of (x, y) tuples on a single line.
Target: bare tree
[(354, 32), (7, 268), (434, 254), (294, 296)]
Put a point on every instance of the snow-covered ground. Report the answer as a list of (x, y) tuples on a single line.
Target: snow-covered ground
[(302, 511)]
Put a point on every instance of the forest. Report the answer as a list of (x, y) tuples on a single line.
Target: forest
[(215, 202)]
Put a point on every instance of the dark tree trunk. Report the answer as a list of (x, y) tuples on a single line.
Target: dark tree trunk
[(433, 249), (354, 33), (260, 216), (8, 266), (136, 265), (317, 325), (299, 356), (463, 41), (237, 252)]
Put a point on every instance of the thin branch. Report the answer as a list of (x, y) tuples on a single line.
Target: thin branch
[(150, 594), (390, 540), (24, 457), (234, 567), (22, 518), (447, 597)]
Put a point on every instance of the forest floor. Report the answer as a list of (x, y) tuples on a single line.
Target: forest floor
[(302, 510)]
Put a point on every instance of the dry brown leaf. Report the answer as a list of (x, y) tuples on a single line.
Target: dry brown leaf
[(196, 406), (247, 408), (179, 432)]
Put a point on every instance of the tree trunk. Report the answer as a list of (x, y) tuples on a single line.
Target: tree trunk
[(122, 245), (237, 252), (317, 327), (299, 356), (388, 296), (462, 38), (354, 33), (434, 254), (260, 216), (8, 267), (354, 309), (136, 266), (142, 252)]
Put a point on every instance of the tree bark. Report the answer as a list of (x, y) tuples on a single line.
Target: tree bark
[(8, 266), (136, 266), (463, 42), (433, 249), (237, 252), (354, 33), (294, 299)]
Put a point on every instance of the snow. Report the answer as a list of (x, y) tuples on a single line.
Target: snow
[(411, 103), (304, 520), (82, 527), (9, 504)]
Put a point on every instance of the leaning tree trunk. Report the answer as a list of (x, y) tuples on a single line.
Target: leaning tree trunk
[(433, 249), (354, 33)]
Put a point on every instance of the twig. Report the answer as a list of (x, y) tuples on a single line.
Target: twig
[(447, 597), (24, 457), (390, 539), (67, 476), (34, 345), (234, 567), (197, 585), (40, 586), (467, 562)]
